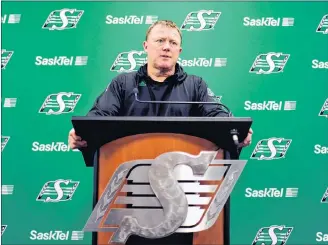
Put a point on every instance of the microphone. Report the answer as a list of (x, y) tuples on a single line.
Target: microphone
[(233, 132), (136, 91)]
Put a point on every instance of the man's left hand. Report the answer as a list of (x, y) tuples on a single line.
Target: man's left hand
[(248, 139)]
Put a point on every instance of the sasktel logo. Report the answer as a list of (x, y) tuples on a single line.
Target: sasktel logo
[(271, 192), (61, 61), (11, 19), (272, 62), (322, 237), (60, 103), (57, 235), (9, 102), (319, 149), (62, 19), (317, 64), (275, 234), (271, 149), (7, 189), (129, 61), (203, 62), (268, 21), (53, 146), (270, 105), (323, 25), (131, 20), (202, 20)]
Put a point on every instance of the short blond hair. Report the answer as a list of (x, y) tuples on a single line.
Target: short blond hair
[(167, 23)]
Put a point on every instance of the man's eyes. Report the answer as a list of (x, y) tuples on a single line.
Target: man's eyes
[(172, 42)]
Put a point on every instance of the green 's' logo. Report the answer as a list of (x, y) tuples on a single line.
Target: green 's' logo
[(60, 103), (4, 141), (323, 25), (273, 235), (129, 61), (325, 197), (324, 110), (62, 19), (57, 191), (270, 149), (3, 228), (202, 20), (5, 57), (269, 63)]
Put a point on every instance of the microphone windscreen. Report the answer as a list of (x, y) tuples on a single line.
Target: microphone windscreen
[(135, 91)]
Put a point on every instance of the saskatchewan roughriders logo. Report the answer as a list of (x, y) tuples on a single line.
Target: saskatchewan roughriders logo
[(57, 191), (129, 61), (323, 25), (324, 110), (168, 194), (213, 96), (4, 141), (62, 19), (5, 57), (324, 199), (202, 20), (3, 228), (271, 149), (60, 103), (269, 63), (273, 235)]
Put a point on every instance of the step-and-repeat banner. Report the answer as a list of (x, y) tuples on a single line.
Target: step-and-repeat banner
[(265, 60)]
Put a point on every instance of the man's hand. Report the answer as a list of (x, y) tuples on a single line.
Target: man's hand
[(248, 139), (75, 141)]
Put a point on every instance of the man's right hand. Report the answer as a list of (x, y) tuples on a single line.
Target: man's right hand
[(75, 141)]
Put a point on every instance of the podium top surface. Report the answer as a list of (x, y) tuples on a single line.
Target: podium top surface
[(162, 119), (99, 130)]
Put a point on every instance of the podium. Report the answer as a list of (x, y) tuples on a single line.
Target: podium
[(161, 180)]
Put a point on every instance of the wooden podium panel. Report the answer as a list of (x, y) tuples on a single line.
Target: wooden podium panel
[(149, 146)]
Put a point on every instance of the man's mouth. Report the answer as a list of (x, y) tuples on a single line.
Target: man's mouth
[(165, 56)]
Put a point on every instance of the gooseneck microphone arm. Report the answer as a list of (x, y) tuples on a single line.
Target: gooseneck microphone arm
[(233, 132)]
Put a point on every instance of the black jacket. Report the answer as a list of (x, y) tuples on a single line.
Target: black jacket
[(119, 97)]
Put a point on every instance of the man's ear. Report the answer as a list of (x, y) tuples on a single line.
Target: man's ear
[(145, 46)]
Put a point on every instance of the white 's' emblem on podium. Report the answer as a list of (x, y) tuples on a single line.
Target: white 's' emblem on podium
[(168, 194)]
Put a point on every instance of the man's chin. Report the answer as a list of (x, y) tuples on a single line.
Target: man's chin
[(165, 66)]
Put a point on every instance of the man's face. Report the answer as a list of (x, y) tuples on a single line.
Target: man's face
[(163, 47)]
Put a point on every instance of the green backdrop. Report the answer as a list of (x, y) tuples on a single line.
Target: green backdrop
[(267, 60)]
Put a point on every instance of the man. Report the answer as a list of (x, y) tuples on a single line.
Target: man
[(161, 79)]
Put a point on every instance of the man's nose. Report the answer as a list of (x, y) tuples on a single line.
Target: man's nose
[(166, 45)]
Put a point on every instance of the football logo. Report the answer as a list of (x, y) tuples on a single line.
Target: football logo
[(165, 195)]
